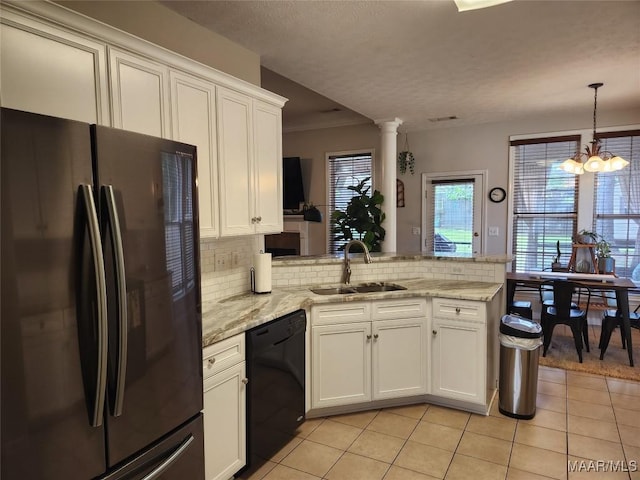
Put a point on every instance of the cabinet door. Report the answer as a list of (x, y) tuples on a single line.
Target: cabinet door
[(225, 423), (51, 71), (234, 160), (140, 94), (340, 364), (193, 121), (400, 358), (267, 148), (458, 360)]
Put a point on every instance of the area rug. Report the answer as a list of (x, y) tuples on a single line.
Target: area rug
[(562, 354)]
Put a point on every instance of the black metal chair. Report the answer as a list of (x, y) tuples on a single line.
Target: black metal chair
[(611, 320), (565, 310), (522, 308)]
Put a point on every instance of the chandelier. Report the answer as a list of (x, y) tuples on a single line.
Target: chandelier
[(596, 160)]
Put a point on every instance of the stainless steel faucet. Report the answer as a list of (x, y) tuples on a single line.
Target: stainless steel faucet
[(346, 274)]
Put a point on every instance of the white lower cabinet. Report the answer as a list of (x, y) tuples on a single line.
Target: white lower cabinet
[(368, 351), (459, 350), (224, 408)]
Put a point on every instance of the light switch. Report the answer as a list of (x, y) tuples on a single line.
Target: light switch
[(494, 231)]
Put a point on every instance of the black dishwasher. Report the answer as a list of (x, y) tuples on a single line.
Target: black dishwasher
[(275, 392)]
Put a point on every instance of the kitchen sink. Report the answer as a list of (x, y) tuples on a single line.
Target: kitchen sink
[(359, 288)]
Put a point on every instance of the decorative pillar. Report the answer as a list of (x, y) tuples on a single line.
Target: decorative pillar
[(389, 134)]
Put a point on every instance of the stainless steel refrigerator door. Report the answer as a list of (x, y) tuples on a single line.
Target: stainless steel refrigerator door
[(45, 406), (151, 183)]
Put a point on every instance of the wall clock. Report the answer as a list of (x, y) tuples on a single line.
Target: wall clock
[(497, 194)]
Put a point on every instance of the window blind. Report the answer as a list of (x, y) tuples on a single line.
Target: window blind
[(345, 171), (617, 202), (545, 201)]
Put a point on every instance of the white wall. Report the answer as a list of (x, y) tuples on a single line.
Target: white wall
[(311, 147), (480, 147)]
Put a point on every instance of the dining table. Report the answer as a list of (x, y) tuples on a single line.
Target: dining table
[(603, 283)]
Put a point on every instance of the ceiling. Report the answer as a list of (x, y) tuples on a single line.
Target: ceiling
[(423, 60)]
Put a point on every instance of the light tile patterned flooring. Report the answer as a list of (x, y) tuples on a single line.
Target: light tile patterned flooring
[(579, 417)]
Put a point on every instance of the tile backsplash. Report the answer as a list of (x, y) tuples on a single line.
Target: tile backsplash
[(219, 282), (231, 274)]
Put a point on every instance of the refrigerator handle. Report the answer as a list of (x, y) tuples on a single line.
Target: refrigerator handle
[(160, 469), (101, 303), (121, 285)]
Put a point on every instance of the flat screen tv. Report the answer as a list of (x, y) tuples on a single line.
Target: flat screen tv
[(292, 187)]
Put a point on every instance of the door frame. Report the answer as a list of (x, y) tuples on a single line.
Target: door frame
[(480, 177)]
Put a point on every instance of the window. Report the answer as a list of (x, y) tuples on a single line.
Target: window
[(617, 203), (545, 201), (346, 169)]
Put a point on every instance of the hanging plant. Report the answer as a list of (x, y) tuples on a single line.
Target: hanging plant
[(405, 158)]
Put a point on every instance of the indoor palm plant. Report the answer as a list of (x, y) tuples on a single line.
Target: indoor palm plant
[(362, 218)]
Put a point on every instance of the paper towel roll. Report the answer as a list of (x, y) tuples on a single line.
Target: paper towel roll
[(262, 273)]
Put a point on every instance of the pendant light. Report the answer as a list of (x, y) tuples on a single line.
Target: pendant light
[(596, 160)]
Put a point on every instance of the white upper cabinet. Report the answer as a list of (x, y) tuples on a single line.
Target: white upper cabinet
[(250, 164), (60, 63), (139, 93), (235, 163), (193, 112), (51, 71), (267, 139)]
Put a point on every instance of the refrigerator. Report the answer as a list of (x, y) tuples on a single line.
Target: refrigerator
[(101, 350)]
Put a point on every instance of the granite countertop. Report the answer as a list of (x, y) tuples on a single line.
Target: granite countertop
[(328, 259), (238, 314)]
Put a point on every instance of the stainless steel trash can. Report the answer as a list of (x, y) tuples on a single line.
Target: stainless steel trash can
[(520, 341)]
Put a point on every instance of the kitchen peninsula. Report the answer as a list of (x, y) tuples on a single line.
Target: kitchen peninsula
[(433, 340)]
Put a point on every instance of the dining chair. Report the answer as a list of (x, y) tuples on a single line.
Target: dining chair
[(611, 320), (565, 309)]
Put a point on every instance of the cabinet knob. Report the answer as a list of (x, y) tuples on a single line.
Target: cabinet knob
[(211, 361), (245, 380), (368, 337), (375, 336), (435, 332), (259, 219), (457, 309), (253, 219)]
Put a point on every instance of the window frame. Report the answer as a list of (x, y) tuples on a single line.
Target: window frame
[(328, 157)]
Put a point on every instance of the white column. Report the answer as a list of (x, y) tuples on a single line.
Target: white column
[(389, 134)]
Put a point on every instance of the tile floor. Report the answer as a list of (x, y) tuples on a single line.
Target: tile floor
[(580, 418)]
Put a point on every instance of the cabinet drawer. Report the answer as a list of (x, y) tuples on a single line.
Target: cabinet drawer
[(459, 309), (401, 308), (223, 354), (343, 312)]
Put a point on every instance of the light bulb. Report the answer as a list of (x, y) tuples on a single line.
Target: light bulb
[(594, 164), (618, 163)]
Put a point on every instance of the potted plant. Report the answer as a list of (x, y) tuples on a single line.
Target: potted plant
[(606, 263), (362, 219)]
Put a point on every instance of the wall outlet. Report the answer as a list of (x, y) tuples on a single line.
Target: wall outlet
[(222, 261), (235, 259)]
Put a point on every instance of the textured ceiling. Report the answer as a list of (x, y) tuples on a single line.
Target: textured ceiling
[(418, 60)]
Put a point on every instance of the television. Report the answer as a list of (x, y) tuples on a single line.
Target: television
[(292, 186)]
